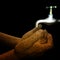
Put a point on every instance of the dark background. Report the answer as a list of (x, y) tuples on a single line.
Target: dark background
[(18, 17)]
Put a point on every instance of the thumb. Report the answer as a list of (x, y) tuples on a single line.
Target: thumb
[(27, 43), (29, 33)]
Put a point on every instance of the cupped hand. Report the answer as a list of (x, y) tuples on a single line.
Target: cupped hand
[(34, 42)]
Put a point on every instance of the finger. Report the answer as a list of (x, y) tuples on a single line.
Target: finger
[(49, 43), (34, 49), (44, 37), (28, 34), (39, 48), (27, 43), (50, 40)]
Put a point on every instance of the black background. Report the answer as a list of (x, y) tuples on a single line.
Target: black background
[(18, 17)]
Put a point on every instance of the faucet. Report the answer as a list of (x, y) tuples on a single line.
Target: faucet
[(49, 20)]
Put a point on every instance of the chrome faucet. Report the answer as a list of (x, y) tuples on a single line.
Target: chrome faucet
[(49, 20)]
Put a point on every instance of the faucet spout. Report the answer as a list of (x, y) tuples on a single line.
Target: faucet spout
[(48, 20)]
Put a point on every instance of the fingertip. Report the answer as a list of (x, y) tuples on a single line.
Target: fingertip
[(50, 39), (49, 36), (29, 33)]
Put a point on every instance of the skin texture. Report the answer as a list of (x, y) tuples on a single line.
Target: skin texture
[(33, 43), (10, 55), (9, 40)]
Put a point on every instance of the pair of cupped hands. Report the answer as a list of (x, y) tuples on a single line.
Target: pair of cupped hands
[(34, 42)]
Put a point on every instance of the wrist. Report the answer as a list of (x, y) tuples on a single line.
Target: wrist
[(10, 55), (18, 54)]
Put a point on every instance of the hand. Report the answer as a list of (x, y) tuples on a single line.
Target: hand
[(34, 42)]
